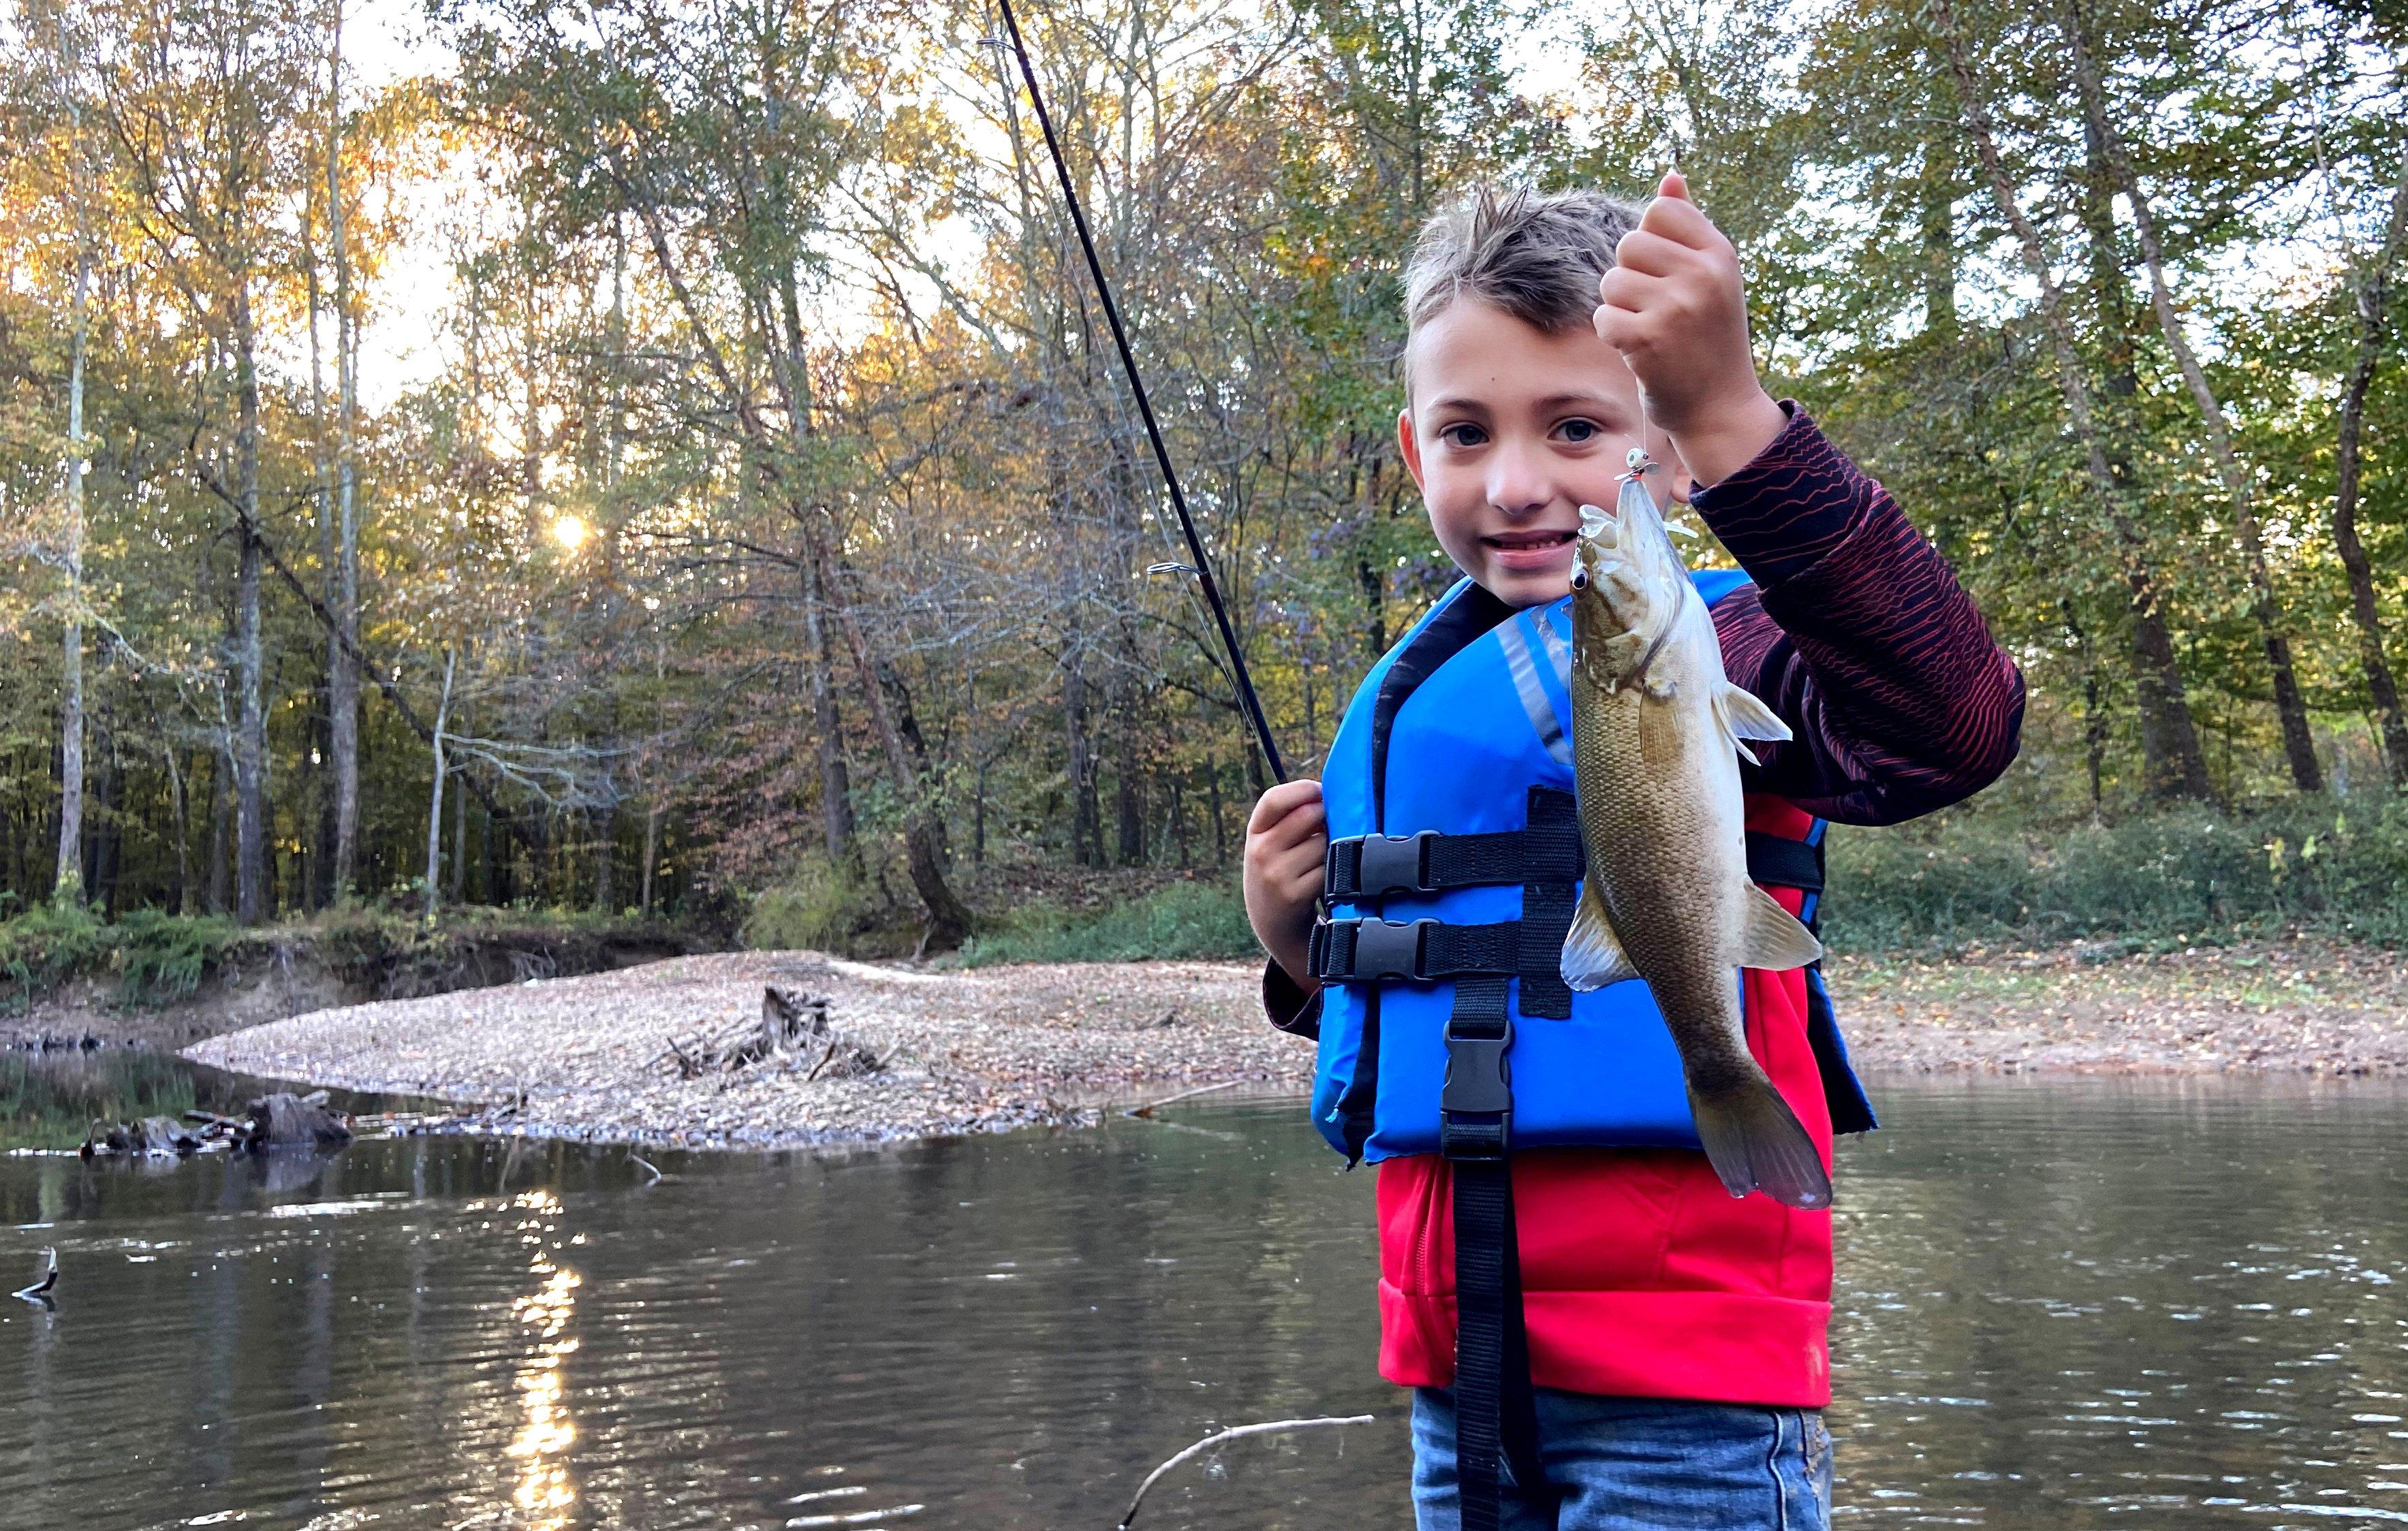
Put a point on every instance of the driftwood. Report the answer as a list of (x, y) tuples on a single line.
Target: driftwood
[(1210, 1441), (278, 1121), (793, 1032), (285, 1121)]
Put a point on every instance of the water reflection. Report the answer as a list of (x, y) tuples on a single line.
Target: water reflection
[(545, 1492), (2062, 1304)]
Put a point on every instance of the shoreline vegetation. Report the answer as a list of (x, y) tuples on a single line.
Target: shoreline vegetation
[(1982, 939), (1034, 1044)]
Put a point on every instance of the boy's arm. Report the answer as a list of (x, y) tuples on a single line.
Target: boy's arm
[(1859, 637)]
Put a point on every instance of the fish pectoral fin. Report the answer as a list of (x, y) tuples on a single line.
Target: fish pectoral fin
[(1772, 937), (1593, 958), (1745, 716)]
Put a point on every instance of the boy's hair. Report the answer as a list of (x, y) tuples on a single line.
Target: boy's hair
[(1536, 255)]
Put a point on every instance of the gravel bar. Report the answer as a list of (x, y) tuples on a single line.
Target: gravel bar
[(997, 1047), (983, 1049)]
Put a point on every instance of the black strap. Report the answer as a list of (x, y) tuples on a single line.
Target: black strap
[(1415, 950), (1496, 1414), (1778, 861), (1379, 865), (1553, 864)]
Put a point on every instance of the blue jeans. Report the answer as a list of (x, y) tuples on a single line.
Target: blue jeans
[(1644, 1465)]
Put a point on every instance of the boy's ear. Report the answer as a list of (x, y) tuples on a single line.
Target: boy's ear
[(1409, 446)]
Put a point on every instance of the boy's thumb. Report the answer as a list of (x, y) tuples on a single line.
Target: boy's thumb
[(1675, 185)]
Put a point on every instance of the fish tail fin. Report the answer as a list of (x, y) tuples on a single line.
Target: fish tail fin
[(1756, 1143)]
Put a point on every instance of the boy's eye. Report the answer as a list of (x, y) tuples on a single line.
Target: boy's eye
[(1463, 434), (1578, 431)]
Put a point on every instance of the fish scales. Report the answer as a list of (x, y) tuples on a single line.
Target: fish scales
[(1656, 739)]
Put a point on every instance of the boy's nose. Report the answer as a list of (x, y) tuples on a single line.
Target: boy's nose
[(1518, 483)]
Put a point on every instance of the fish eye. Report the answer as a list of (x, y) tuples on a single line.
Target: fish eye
[(1580, 578)]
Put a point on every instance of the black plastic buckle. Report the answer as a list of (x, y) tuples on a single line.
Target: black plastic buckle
[(1393, 864), (1388, 948), (1478, 1082), (1477, 1079)]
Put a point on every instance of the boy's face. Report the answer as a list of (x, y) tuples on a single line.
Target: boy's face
[(1508, 432)]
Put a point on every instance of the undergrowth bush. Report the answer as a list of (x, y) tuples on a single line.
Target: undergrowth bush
[(821, 906), (163, 956), (2335, 868), (1183, 920)]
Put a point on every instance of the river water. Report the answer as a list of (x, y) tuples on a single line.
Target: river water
[(2062, 1304)]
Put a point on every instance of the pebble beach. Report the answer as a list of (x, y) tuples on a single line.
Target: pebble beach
[(997, 1047)]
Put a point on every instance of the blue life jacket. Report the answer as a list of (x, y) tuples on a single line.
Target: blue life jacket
[(1454, 859)]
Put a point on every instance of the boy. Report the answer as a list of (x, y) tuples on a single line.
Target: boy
[(1652, 1353)]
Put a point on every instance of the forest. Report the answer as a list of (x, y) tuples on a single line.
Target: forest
[(663, 459)]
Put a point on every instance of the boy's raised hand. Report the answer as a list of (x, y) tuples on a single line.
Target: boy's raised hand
[(1674, 308), (1286, 839)]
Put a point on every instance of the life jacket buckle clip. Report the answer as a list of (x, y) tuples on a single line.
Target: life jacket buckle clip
[(1477, 1079), (1392, 864), (1389, 948), (1479, 1084)]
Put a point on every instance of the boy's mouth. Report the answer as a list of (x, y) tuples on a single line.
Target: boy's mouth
[(1536, 548), (1515, 541)]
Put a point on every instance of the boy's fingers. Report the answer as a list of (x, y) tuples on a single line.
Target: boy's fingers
[(1293, 829), (1677, 219), (1652, 254), (1625, 289), (1281, 800)]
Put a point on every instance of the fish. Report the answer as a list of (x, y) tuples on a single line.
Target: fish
[(1659, 732)]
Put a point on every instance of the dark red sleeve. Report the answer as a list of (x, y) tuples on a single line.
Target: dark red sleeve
[(1858, 634)]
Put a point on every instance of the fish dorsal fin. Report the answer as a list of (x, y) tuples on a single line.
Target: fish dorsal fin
[(1745, 716), (1593, 958), (1769, 939)]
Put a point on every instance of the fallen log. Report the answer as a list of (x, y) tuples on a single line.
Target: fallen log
[(286, 1121)]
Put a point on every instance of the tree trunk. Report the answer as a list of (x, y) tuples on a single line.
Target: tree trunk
[(828, 729), (435, 793), (68, 884), (250, 736), (949, 920), (2299, 743), (652, 856), (1129, 785), (2173, 763), (1086, 815), (457, 879), (342, 670), (220, 819), (2373, 324)]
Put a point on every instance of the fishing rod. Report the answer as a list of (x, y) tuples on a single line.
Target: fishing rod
[(1247, 699)]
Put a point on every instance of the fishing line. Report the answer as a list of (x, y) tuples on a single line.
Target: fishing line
[(1248, 700)]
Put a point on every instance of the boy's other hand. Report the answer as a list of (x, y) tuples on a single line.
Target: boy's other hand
[(1286, 838), (1674, 308)]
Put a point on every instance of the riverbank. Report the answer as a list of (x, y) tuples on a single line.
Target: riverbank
[(585, 1058)]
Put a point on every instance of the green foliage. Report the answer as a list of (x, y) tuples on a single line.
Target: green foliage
[(1183, 920), (48, 944), (821, 906), (2170, 875), (163, 956)]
